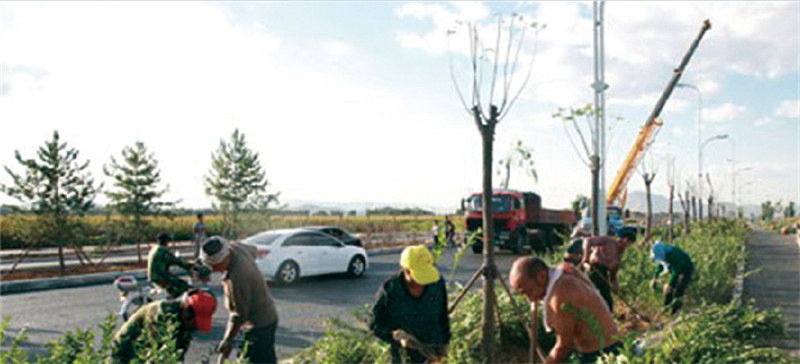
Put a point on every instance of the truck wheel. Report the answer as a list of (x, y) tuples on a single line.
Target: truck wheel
[(477, 246)]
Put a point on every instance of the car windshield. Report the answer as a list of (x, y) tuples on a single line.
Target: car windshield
[(262, 239), (500, 203)]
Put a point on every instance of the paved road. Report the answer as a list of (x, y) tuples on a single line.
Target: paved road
[(302, 307), (777, 284)]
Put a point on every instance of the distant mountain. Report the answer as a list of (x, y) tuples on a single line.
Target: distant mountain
[(637, 201), (361, 207)]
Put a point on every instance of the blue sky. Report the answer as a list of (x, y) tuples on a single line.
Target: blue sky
[(352, 101)]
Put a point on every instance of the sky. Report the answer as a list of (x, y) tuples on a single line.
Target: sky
[(354, 101)]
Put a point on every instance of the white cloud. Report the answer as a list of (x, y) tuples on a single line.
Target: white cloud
[(789, 109), (643, 46), (762, 121), (337, 48), (725, 112)]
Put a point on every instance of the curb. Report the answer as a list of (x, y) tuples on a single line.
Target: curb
[(738, 287), (32, 285)]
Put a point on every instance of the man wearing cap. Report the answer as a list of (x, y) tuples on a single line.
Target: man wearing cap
[(679, 264), (410, 312), (603, 255), (191, 312), (159, 261), (247, 298), (572, 307)]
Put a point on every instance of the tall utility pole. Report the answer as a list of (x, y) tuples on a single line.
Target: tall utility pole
[(599, 142)]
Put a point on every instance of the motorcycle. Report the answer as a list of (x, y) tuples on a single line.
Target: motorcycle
[(134, 294)]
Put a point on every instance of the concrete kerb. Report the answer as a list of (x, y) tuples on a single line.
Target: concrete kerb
[(32, 285), (738, 287)]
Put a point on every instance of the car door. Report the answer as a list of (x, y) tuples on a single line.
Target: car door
[(300, 249), (330, 254)]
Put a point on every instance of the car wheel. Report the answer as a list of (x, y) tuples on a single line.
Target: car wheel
[(357, 266), (288, 272)]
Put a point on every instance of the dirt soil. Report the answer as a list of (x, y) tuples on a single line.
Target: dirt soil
[(71, 271)]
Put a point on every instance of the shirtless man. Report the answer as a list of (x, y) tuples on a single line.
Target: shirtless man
[(566, 293), (603, 254)]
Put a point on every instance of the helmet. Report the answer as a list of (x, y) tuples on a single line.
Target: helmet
[(203, 306)]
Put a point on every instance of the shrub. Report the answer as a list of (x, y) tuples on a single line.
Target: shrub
[(714, 334)]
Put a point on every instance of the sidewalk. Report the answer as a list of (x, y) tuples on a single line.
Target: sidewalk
[(777, 284)]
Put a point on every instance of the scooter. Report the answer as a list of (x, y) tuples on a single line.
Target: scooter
[(134, 294)]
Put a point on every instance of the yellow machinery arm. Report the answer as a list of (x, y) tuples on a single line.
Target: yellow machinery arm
[(632, 160), (652, 124)]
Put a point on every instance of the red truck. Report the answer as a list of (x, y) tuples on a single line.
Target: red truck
[(520, 222)]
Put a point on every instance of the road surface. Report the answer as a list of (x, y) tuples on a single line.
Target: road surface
[(302, 307), (777, 282)]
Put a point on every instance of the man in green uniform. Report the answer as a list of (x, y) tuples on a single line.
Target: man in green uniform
[(411, 309), (192, 312), (681, 269), (159, 260)]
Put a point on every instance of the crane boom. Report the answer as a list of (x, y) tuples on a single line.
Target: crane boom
[(652, 124)]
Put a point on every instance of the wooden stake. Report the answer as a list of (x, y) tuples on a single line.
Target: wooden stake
[(465, 290)]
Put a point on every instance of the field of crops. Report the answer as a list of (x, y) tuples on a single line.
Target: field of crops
[(17, 231)]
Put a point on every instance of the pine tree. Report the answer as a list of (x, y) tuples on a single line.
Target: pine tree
[(57, 188), (136, 178), (237, 182)]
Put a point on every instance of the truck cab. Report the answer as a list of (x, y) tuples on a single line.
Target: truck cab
[(519, 221)]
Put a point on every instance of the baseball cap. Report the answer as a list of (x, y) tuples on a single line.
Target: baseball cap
[(203, 305), (419, 261)]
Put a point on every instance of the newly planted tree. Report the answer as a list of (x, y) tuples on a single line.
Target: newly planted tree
[(487, 105), (137, 192), (671, 179), (237, 182), (57, 188), (648, 169)]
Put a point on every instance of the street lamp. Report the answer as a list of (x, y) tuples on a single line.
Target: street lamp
[(700, 159), (699, 152)]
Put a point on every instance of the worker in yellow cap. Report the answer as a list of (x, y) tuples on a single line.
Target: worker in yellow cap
[(410, 312)]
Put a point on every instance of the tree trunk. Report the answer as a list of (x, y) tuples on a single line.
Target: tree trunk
[(649, 217), (137, 226), (699, 208), (710, 208), (694, 208), (686, 226), (487, 322), (671, 229), (595, 168), (61, 258)]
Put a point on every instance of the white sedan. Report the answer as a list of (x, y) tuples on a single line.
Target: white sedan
[(288, 254)]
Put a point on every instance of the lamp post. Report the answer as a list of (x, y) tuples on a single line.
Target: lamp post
[(700, 162), (733, 177), (699, 151)]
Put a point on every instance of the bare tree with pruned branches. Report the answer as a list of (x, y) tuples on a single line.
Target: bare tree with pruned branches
[(647, 169), (487, 104)]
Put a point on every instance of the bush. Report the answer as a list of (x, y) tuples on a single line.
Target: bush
[(714, 334), (80, 346)]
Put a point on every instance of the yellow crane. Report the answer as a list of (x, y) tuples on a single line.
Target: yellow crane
[(650, 128)]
